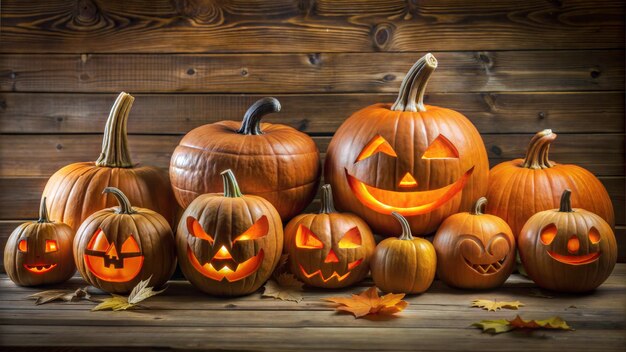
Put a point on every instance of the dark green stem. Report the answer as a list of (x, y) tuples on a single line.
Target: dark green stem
[(251, 123), (231, 188), (125, 207), (43, 212), (406, 228), (566, 203), (413, 87)]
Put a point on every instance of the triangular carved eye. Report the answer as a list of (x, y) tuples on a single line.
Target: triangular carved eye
[(441, 148), (130, 245), (257, 230), (377, 145), (352, 239), (305, 238), (547, 234), (99, 242), (196, 230)]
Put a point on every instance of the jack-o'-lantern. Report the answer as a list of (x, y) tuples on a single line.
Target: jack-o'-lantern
[(273, 161), (474, 250), (566, 249), (405, 264), (115, 248), (424, 162), (40, 252), (329, 249), (229, 244)]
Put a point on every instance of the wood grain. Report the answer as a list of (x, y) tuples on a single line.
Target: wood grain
[(312, 73)]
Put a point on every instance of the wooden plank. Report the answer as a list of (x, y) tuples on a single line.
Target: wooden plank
[(314, 26), (311, 73), (504, 112)]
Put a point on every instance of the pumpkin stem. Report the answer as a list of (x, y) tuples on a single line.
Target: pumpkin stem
[(413, 87), (566, 203), (115, 151), (231, 188), (328, 205), (43, 212), (479, 206), (406, 228), (125, 207), (251, 123), (538, 148)]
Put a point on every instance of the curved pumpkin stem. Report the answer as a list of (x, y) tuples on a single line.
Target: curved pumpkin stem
[(413, 87), (328, 205), (251, 123), (566, 203), (479, 206), (538, 148), (115, 151), (43, 212), (125, 207), (231, 187), (406, 228)]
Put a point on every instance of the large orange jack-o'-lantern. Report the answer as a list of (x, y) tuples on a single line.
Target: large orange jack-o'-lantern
[(40, 252), (229, 244), (329, 249), (424, 162), (565, 249), (117, 247)]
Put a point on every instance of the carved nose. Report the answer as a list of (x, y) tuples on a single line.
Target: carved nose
[(223, 253), (331, 257), (112, 252), (407, 181), (573, 244)]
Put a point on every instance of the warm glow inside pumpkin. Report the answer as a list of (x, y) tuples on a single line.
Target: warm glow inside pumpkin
[(108, 263)]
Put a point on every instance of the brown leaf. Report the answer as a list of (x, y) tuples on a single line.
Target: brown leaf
[(284, 287), (368, 302), (493, 306), (138, 294), (503, 325), (62, 295)]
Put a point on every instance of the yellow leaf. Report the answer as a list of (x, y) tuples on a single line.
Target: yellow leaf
[(138, 294), (493, 306), (284, 287), (503, 325), (494, 326), (368, 302), (113, 303)]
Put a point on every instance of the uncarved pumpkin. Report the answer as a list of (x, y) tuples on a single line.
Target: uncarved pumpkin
[(522, 187), (40, 252), (115, 248), (424, 162), (74, 191), (273, 161)]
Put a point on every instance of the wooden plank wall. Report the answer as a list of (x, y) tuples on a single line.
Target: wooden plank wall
[(513, 67)]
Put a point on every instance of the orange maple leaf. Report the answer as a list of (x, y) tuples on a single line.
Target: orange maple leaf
[(368, 302)]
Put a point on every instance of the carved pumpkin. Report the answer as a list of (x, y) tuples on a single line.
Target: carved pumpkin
[(73, 192), (40, 252), (522, 187), (272, 161), (329, 249), (565, 249), (474, 250), (406, 264), (115, 248), (424, 162), (229, 244)]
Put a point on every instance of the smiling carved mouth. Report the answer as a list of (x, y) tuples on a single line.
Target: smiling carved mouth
[(405, 203), (242, 271), (486, 268), (335, 274), (575, 259), (40, 269)]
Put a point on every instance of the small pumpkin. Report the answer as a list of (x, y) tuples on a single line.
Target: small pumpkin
[(422, 161), (74, 191), (228, 243), (522, 187), (329, 249), (273, 161), (567, 249), (406, 264), (40, 252), (117, 247), (474, 250)]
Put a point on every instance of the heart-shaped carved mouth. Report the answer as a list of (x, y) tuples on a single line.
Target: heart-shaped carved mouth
[(39, 268)]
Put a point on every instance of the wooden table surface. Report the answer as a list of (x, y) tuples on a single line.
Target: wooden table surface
[(182, 318)]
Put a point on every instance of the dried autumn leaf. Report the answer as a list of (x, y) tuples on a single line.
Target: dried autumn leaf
[(62, 295), (368, 302), (503, 325), (494, 326), (284, 287), (138, 294), (493, 306)]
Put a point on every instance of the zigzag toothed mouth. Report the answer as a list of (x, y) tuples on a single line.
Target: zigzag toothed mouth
[(335, 274), (39, 269), (485, 269)]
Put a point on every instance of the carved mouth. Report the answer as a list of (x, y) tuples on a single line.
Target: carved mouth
[(242, 270), (575, 259), (485, 269), (40, 268), (336, 275), (405, 203), (121, 269)]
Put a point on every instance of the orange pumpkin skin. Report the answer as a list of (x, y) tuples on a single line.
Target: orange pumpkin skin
[(568, 250), (474, 250), (228, 243), (342, 246), (40, 252), (117, 247), (273, 161), (522, 187), (424, 162), (74, 191), (404, 265)]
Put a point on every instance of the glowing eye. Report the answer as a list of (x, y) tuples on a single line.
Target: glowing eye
[(23, 246), (98, 242), (130, 245), (377, 145), (594, 235), (196, 230), (257, 230), (305, 238), (547, 234), (51, 246), (352, 239), (441, 148), (573, 244)]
